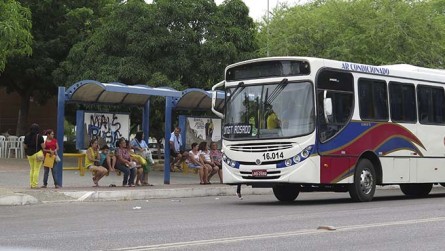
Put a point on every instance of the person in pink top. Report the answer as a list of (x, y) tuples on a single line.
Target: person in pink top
[(51, 148)]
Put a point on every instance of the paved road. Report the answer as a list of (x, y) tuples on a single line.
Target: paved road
[(259, 222)]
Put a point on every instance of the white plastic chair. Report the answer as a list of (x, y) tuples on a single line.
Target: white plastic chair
[(22, 146), (2, 146), (13, 145)]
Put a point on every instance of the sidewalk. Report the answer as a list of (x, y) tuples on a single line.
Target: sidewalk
[(14, 186)]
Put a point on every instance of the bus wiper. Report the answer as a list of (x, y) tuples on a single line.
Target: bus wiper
[(280, 87), (237, 91)]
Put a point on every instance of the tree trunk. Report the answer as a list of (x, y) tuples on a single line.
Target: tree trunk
[(159, 144), (22, 120)]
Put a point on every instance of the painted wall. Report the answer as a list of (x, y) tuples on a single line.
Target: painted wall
[(44, 115)]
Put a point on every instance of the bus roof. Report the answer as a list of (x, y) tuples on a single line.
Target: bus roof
[(396, 70), (408, 67)]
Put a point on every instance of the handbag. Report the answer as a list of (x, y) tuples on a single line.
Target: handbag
[(57, 158), (49, 160), (149, 157)]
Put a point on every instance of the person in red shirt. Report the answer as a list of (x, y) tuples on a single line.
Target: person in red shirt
[(51, 148)]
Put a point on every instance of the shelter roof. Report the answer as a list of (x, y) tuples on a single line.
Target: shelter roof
[(198, 99), (91, 91)]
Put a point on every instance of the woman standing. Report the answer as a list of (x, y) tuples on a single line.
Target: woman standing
[(123, 163), (33, 147), (92, 159), (50, 148)]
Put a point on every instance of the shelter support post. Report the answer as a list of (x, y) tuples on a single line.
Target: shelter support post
[(146, 121), (60, 133), (168, 122)]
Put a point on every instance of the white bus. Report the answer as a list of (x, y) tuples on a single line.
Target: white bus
[(301, 124)]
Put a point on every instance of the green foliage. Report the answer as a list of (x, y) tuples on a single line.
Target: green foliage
[(188, 42), (15, 31), (365, 31), (69, 130), (231, 38), (178, 44), (56, 26)]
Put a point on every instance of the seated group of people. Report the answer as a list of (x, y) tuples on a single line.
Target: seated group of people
[(207, 161), (132, 159)]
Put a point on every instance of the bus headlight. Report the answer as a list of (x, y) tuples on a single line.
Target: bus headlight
[(297, 159), (306, 152), (288, 162), (232, 164)]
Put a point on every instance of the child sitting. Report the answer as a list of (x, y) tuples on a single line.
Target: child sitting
[(106, 159)]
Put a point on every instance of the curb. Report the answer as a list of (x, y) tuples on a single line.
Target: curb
[(10, 198), (18, 199), (94, 196)]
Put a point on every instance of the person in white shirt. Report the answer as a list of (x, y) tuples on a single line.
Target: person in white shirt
[(175, 148)]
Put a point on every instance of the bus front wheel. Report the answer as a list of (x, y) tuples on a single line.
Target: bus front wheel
[(286, 192), (416, 190), (363, 187)]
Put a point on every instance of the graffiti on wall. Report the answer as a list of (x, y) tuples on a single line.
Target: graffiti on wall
[(107, 127)]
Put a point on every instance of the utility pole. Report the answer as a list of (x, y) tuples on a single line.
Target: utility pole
[(267, 30)]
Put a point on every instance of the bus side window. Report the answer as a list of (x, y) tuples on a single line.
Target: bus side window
[(338, 88), (373, 99), (431, 104), (402, 99)]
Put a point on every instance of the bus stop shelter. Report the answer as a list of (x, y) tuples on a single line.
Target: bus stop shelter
[(192, 99), (94, 92)]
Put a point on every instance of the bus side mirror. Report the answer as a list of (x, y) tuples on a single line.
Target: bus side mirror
[(327, 104), (215, 97)]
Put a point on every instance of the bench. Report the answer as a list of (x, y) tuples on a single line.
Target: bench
[(80, 166)]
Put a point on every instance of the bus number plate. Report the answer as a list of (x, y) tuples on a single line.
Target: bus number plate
[(259, 173)]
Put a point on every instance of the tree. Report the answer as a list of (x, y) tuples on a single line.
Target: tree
[(57, 25), (15, 31), (179, 44), (390, 32), (231, 38)]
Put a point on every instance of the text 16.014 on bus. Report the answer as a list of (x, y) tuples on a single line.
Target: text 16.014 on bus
[(273, 155)]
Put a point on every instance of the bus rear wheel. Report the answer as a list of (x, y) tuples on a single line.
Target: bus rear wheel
[(363, 187), (286, 192), (416, 190)]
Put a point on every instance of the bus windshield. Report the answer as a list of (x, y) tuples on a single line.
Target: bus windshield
[(275, 110)]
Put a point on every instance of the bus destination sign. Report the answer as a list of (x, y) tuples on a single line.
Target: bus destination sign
[(237, 130)]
